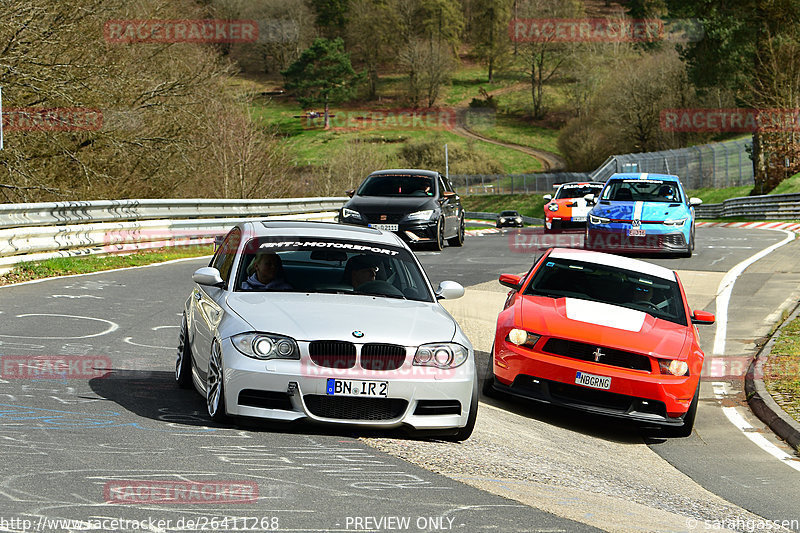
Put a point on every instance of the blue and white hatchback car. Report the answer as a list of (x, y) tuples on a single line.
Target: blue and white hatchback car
[(641, 212)]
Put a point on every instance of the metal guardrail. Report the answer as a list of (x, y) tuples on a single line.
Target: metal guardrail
[(34, 232), (62, 213), (764, 207)]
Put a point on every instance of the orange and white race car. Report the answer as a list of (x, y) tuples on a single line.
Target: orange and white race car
[(568, 208)]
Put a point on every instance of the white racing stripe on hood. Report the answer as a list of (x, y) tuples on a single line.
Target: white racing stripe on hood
[(602, 314), (638, 207)]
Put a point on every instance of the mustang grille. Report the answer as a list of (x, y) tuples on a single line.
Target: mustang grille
[(333, 354), (375, 356), (608, 356), (348, 408)]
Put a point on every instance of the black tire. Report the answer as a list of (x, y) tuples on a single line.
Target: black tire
[(689, 247), (184, 361), (458, 240), (688, 421), (215, 391), (488, 383), (438, 244)]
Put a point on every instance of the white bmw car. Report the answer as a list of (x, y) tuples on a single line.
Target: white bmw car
[(328, 323)]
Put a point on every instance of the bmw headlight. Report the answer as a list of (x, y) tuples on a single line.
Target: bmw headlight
[(441, 355), (677, 222), (552, 207), (598, 220), (349, 213), (420, 215), (266, 346)]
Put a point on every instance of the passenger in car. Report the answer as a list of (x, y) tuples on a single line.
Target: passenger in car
[(266, 273)]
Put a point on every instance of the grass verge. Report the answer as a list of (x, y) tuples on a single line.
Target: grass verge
[(64, 266), (782, 369), (531, 205)]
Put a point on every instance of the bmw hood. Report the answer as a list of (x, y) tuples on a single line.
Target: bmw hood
[(605, 325), (307, 317), (390, 204), (646, 211)]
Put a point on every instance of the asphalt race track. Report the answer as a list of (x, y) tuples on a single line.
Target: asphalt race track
[(67, 442)]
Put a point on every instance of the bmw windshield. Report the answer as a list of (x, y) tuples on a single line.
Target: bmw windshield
[(308, 265)]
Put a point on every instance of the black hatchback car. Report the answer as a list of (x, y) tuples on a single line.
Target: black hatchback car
[(419, 205)]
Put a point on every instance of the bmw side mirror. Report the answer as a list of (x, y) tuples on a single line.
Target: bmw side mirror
[(208, 276), (449, 290)]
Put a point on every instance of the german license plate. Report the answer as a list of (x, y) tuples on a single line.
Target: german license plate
[(579, 219), (385, 227), (354, 387), (635, 232), (590, 380)]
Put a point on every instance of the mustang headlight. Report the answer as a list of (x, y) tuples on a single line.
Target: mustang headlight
[(350, 213), (420, 215), (598, 220), (674, 367), (552, 206), (266, 346), (520, 337), (677, 222), (441, 355)]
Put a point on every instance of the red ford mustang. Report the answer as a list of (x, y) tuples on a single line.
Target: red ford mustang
[(601, 333)]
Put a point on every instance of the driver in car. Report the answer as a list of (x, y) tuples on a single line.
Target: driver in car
[(360, 269)]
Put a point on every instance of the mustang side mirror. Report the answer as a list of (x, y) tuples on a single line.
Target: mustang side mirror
[(511, 281), (703, 317)]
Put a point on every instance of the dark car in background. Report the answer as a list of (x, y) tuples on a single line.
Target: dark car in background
[(509, 218), (418, 205)]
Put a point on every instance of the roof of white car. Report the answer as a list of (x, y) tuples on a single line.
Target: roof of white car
[(321, 230), (616, 261)]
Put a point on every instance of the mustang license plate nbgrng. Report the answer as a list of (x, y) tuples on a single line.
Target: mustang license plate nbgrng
[(590, 380)]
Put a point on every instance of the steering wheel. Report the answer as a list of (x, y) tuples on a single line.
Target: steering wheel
[(649, 304), (379, 286)]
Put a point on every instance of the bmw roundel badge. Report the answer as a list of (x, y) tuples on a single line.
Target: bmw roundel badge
[(358, 334)]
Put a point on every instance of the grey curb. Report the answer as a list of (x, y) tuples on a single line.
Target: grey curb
[(761, 401)]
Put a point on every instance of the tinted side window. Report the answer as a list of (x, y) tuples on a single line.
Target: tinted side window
[(223, 259), (442, 186)]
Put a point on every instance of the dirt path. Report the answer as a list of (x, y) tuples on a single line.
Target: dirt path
[(550, 162)]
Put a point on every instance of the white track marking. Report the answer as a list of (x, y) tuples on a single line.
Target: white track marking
[(112, 326), (726, 288), (720, 391)]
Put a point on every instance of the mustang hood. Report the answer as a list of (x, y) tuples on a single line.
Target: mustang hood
[(603, 324), (307, 317), (651, 211)]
